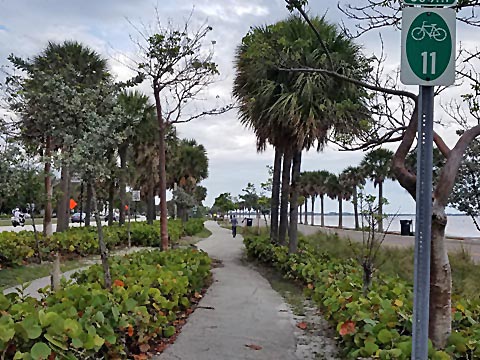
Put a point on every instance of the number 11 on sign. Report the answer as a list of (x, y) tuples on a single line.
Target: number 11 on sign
[(433, 56), (428, 46)]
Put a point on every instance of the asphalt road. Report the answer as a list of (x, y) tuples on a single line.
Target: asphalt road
[(472, 245), (39, 226)]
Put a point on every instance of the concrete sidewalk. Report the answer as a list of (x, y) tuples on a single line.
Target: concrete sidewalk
[(246, 310)]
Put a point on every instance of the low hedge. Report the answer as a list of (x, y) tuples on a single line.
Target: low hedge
[(19, 247), (376, 325), (84, 321), (193, 226)]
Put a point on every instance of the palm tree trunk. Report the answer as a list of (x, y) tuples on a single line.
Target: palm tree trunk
[(277, 169), (322, 214), (111, 195), (67, 198), (122, 194), (380, 206), (62, 206), (47, 218), (88, 205), (163, 174), (151, 205), (101, 243), (287, 165), (306, 211), (293, 230), (355, 207), (313, 211), (340, 213)]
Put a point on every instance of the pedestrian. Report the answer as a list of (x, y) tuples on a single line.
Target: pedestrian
[(234, 222)]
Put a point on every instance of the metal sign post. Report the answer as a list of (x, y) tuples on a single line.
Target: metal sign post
[(423, 225), (428, 59)]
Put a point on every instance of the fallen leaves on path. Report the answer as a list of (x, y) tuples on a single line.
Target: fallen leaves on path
[(254, 347), (302, 325)]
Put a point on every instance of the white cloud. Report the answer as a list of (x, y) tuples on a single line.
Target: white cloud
[(234, 161)]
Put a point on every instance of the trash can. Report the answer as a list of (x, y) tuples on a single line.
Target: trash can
[(406, 227), (249, 221)]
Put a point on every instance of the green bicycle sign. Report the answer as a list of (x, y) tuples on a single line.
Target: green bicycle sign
[(431, 2), (428, 46)]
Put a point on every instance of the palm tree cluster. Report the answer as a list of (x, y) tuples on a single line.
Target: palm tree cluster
[(375, 166), (58, 94), (295, 111)]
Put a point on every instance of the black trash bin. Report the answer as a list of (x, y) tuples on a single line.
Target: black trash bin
[(406, 227), (249, 221)]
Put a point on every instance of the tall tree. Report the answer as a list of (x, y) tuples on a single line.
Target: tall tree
[(321, 186), (178, 67), (283, 108), (133, 108), (187, 167), (91, 157), (50, 98), (353, 176), (377, 166)]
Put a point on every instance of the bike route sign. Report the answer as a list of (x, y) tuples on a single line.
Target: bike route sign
[(431, 2), (428, 46)]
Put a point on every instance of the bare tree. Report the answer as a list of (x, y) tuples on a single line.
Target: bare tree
[(180, 67)]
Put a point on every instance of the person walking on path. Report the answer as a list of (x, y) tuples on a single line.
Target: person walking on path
[(234, 222)]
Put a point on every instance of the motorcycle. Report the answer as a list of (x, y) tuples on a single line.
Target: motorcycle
[(18, 220)]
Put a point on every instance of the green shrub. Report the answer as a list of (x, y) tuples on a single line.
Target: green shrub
[(376, 325), (19, 247), (86, 321), (193, 226)]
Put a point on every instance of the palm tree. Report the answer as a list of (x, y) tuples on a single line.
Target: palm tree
[(332, 187), (134, 107), (283, 108), (313, 180), (80, 68), (338, 189), (354, 177), (146, 159), (377, 166), (321, 187), (188, 166), (305, 186)]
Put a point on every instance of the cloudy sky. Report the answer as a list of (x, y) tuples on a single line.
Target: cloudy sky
[(27, 25)]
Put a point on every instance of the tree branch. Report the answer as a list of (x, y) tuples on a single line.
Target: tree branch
[(449, 172), (354, 81), (444, 149), (404, 177)]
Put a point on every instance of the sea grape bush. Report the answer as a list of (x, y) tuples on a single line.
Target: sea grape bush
[(151, 290), (377, 325)]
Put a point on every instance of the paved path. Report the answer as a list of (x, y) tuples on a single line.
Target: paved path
[(246, 310), (453, 245)]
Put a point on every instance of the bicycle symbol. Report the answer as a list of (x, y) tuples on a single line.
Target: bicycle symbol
[(432, 31)]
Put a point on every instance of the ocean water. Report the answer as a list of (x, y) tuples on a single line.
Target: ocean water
[(461, 226)]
